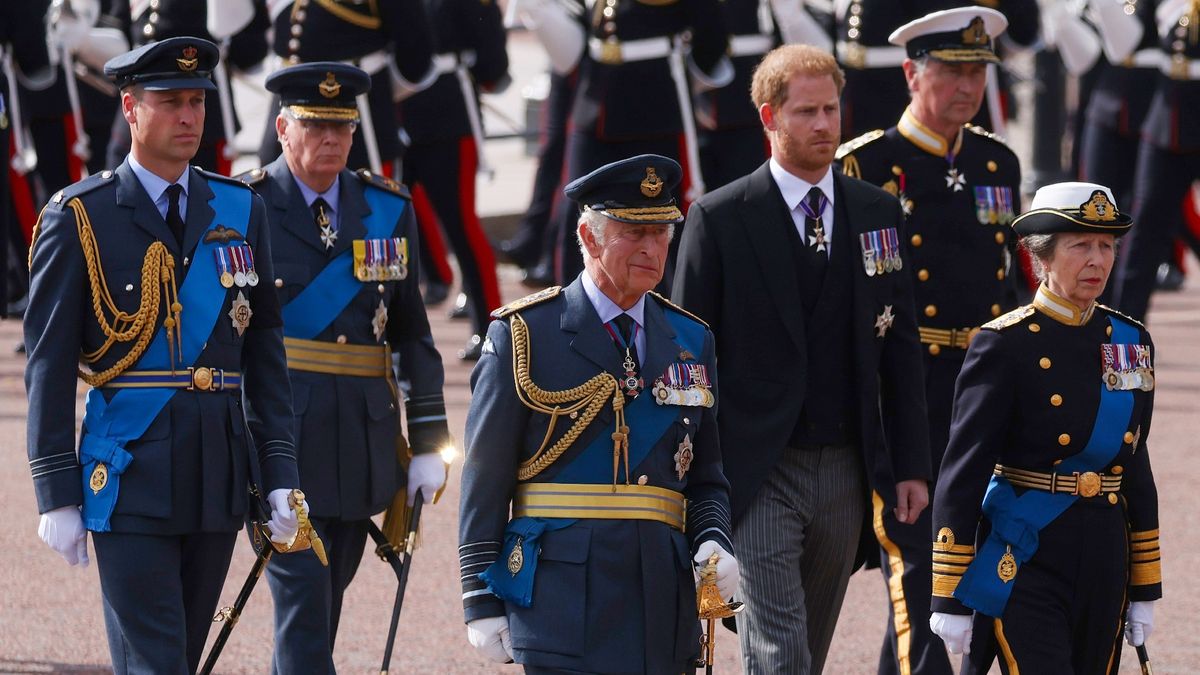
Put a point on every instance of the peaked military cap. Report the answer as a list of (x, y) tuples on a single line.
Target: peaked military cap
[(1072, 207), (960, 35), (636, 190), (323, 90), (174, 63)]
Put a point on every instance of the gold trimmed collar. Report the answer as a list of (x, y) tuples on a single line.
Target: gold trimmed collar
[(925, 138), (1060, 309)]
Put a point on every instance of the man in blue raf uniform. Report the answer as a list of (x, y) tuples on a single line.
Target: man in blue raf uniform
[(593, 417), (126, 280), (346, 276), (959, 187)]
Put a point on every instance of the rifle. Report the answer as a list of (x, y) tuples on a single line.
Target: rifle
[(388, 550)]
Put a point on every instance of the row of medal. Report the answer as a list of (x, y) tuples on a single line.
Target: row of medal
[(881, 251), (1127, 367), (684, 384), (994, 205), (235, 265), (381, 259)]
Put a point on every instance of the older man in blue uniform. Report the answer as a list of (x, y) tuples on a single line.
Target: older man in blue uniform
[(593, 417), (127, 281), (346, 275)]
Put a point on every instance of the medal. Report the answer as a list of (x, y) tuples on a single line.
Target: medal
[(222, 260), (516, 559), (239, 275), (99, 478), (683, 457), (328, 234), (379, 323), (884, 321), (955, 180), (240, 313), (251, 275), (1006, 569)]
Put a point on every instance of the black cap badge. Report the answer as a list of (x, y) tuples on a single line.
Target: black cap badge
[(189, 61), (330, 87), (651, 184)]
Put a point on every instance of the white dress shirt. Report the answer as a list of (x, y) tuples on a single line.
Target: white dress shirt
[(795, 189)]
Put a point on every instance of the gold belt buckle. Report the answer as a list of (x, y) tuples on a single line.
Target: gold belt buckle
[(610, 53), (855, 56), (1179, 67), (203, 379), (1087, 484)]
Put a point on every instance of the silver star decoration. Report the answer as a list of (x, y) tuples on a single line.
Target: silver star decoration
[(379, 323), (817, 239), (884, 321), (328, 236), (906, 204), (956, 180)]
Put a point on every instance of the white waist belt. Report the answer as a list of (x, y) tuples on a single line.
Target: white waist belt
[(750, 45), (372, 63), (446, 63), (613, 52), (853, 55), (1181, 68), (1144, 58)]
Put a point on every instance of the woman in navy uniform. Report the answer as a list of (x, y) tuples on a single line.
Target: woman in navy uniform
[(1048, 458), (126, 281)]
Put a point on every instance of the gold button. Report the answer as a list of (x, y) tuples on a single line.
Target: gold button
[(1044, 363), (1056, 400), (1128, 436), (1108, 330), (930, 310), (1064, 439), (935, 350), (1000, 274), (1033, 328), (1057, 462), (923, 275), (1117, 470), (341, 339), (916, 240), (279, 283), (999, 237), (643, 479), (106, 174), (128, 287), (992, 166), (1112, 498), (995, 310), (897, 170)]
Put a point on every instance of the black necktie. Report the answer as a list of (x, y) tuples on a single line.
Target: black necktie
[(630, 384), (625, 325), (174, 221)]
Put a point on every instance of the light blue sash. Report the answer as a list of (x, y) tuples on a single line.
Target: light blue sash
[(113, 424), (1016, 521), (332, 290)]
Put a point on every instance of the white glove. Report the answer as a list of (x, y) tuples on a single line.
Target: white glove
[(426, 473), (490, 637), (1139, 623), (727, 567), (284, 522), (62, 530), (954, 629)]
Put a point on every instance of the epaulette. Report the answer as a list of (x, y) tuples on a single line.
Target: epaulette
[(527, 301), (980, 131), (383, 183), (1122, 315), (670, 305), (83, 187), (856, 143), (252, 177), (212, 175), (1011, 319)]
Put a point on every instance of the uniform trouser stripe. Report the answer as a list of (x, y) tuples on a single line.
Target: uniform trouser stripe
[(895, 582), (1009, 660)]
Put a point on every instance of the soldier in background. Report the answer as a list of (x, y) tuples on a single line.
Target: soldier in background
[(960, 189)]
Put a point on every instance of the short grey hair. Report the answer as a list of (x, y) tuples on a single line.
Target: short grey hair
[(597, 224), (1041, 251), (919, 65)]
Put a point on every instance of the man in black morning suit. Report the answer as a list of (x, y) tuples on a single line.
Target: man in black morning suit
[(125, 282), (822, 406)]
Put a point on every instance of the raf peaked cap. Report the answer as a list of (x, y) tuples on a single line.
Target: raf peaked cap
[(324, 90), (636, 190), (965, 34), (1072, 207), (174, 63)]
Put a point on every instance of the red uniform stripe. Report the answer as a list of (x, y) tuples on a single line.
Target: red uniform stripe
[(468, 159), (431, 234)]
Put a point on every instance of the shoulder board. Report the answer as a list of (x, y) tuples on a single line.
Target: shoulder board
[(211, 175), (1122, 315), (83, 187), (856, 143), (980, 131), (1011, 319), (527, 301), (382, 182), (672, 306), (252, 177)]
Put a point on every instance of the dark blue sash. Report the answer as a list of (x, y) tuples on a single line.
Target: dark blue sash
[(1016, 521), (332, 290), (110, 425), (647, 423)]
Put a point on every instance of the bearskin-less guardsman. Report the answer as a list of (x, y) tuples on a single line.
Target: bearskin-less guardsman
[(592, 416), (959, 187), (1048, 459), (189, 379)]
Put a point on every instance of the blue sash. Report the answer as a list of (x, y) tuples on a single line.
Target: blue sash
[(647, 423), (110, 425), (1016, 521), (332, 290)]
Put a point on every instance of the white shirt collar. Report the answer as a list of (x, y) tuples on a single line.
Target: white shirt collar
[(606, 308), (795, 189), (156, 187)]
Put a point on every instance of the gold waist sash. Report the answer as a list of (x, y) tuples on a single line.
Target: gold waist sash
[(599, 501), (334, 358)]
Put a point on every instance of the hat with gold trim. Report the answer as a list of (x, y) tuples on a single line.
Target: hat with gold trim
[(323, 90), (960, 35), (174, 63), (1072, 207), (635, 190)]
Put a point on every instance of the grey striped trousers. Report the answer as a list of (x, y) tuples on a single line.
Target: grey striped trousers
[(795, 546)]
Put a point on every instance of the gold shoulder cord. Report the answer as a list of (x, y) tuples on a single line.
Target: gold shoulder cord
[(589, 396), (158, 273)]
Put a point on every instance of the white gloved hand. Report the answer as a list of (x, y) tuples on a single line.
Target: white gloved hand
[(62, 530), (1139, 623), (427, 473), (284, 522), (490, 637), (954, 629), (727, 567)]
